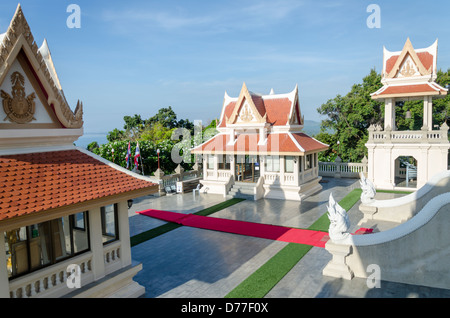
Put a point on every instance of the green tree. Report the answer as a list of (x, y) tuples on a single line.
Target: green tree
[(349, 117), (165, 116), (115, 135), (92, 146)]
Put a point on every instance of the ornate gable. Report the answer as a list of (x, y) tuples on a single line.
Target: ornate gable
[(246, 110), (29, 72), (407, 64)]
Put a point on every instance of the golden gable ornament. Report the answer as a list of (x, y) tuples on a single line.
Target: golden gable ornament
[(19, 109)]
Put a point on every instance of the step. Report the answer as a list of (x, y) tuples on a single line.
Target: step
[(246, 185)]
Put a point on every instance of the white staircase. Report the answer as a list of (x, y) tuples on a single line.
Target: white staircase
[(244, 190)]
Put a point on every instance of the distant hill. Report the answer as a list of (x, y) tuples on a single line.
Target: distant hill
[(311, 127)]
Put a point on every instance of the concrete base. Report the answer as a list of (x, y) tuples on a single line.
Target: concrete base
[(337, 267)]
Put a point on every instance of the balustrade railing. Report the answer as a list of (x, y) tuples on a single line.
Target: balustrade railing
[(342, 169), (49, 279), (378, 135)]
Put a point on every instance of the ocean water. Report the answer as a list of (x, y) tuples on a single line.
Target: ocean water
[(86, 139)]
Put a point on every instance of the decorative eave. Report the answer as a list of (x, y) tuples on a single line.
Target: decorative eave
[(19, 36)]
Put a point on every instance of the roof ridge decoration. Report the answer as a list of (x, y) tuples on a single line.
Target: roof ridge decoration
[(19, 36), (408, 49), (249, 112)]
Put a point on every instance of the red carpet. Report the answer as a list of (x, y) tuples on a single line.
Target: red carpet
[(266, 231)]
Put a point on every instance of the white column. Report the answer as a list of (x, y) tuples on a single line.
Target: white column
[(4, 282), (232, 165), (216, 167), (282, 164), (389, 114), (95, 234), (428, 112), (296, 170), (205, 166), (124, 233)]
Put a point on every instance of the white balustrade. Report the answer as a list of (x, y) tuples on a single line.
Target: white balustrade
[(48, 279)]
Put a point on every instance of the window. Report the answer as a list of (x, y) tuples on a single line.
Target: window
[(33, 247), (308, 162), (273, 164), (224, 162), (210, 165), (289, 164), (110, 223)]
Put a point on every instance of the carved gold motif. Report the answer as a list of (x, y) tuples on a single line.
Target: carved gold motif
[(18, 108), (246, 114), (408, 70)]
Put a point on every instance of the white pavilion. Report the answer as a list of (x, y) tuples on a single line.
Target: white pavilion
[(261, 150), (408, 159)]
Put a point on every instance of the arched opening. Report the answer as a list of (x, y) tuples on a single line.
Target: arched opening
[(406, 172)]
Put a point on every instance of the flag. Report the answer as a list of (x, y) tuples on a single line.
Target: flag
[(137, 154), (127, 157)]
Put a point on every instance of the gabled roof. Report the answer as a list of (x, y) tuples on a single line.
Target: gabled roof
[(44, 181), (275, 109), (424, 59), (410, 73), (18, 40)]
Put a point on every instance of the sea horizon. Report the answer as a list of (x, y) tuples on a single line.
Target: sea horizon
[(87, 138)]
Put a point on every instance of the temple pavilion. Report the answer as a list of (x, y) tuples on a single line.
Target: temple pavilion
[(260, 150), (64, 227), (408, 159)]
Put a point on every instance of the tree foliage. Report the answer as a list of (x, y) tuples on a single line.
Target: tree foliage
[(349, 117), (158, 132)]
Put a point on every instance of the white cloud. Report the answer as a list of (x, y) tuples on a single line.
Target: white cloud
[(213, 19)]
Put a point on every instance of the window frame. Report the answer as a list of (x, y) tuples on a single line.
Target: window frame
[(52, 257), (116, 223)]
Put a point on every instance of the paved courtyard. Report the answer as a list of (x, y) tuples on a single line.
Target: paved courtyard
[(195, 263)]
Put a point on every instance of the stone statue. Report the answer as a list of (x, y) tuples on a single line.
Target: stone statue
[(368, 190), (339, 223)]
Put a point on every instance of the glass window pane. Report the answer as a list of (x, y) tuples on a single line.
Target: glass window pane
[(289, 164), (80, 233), (61, 243), (109, 223), (210, 162), (16, 251)]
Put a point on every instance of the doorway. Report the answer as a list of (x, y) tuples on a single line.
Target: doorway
[(248, 168), (406, 172)]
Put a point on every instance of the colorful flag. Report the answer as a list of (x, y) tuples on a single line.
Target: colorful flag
[(127, 157), (137, 154)]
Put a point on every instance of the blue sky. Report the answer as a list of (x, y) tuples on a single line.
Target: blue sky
[(134, 57)]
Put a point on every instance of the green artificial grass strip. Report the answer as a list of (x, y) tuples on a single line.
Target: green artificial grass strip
[(394, 191), (218, 207), (258, 284), (157, 231), (264, 278), (152, 233)]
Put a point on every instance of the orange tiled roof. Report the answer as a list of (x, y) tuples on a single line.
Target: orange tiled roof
[(249, 143), (277, 109), (37, 182), (427, 89)]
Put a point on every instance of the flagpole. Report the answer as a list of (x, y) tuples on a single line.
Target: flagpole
[(142, 165)]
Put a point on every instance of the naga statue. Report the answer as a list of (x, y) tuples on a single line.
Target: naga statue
[(339, 223), (368, 190)]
